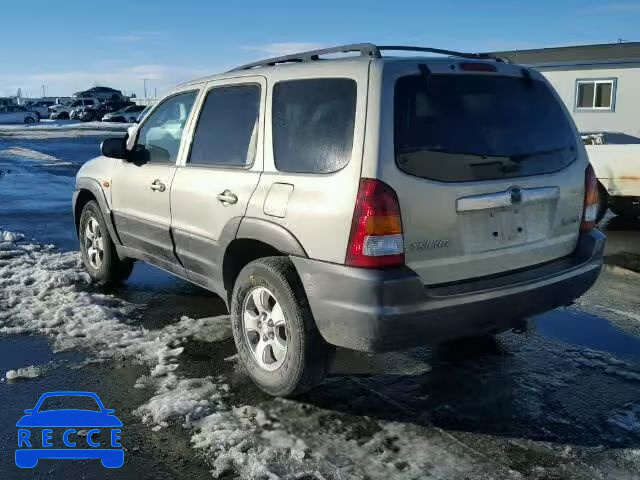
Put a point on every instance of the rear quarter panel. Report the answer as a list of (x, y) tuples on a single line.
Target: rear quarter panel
[(319, 210)]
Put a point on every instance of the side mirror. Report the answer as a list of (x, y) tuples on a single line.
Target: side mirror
[(29, 411), (139, 155), (115, 148)]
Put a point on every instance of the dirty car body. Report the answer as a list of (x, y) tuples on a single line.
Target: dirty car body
[(416, 199)]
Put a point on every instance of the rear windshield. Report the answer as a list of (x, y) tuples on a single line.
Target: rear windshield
[(458, 128)]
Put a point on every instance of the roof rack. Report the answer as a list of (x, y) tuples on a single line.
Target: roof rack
[(440, 51), (366, 50)]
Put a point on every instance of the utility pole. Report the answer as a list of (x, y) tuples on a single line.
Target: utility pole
[(43, 91), (144, 82)]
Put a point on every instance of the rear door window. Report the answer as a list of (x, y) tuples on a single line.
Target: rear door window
[(458, 128), (313, 122), (227, 130)]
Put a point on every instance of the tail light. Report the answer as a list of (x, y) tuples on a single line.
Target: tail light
[(376, 230), (591, 199)]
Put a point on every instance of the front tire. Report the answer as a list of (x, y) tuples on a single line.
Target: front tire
[(29, 120), (274, 330), (97, 249)]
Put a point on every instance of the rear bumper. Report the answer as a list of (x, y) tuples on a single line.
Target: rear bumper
[(382, 310)]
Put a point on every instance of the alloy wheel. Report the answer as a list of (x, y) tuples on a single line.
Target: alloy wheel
[(94, 243), (265, 329)]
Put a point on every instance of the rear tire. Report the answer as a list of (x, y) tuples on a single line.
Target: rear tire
[(98, 251), (274, 282), (29, 120)]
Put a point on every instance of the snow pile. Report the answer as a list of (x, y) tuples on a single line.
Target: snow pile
[(10, 236), (32, 371), (187, 399), (44, 291)]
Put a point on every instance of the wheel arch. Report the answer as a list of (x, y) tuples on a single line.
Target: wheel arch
[(88, 189), (256, 238)]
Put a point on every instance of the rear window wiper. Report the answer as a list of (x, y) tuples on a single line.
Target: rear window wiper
[(526, 156)]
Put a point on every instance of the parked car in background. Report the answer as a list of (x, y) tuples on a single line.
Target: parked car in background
[(17, 114), (379, 203), (101, 93), (617, 167), (64, 100), (128, 114), (114, 106), (64, 111), (91, 114), (41, 108), (62, 115)]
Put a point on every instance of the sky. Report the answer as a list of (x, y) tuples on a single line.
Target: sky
[(71, 45)]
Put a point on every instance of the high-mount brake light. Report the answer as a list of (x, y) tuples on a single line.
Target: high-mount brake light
[(477, 67)]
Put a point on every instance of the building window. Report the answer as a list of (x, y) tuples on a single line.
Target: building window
[(596, 94)]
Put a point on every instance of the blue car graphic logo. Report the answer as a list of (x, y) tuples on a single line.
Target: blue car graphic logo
[(81, 433)]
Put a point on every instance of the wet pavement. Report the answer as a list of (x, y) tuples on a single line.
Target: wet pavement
[(559, 401)]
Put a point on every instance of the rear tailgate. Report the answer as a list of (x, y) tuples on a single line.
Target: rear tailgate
[(488, 171)]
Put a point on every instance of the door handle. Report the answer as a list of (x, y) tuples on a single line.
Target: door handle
[(228, 197), (158, 186)]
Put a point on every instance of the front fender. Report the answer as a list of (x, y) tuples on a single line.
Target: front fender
[(92, 186)]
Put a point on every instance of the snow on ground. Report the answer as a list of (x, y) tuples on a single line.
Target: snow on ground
[(63, 129), (29, 154), (66, 125), (10, 236), (47, 292), (32, 371)]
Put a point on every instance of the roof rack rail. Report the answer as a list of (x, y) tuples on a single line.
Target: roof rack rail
[(366, 50), (440, 51)]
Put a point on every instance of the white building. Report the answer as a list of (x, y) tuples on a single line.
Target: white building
[(600, 84)]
